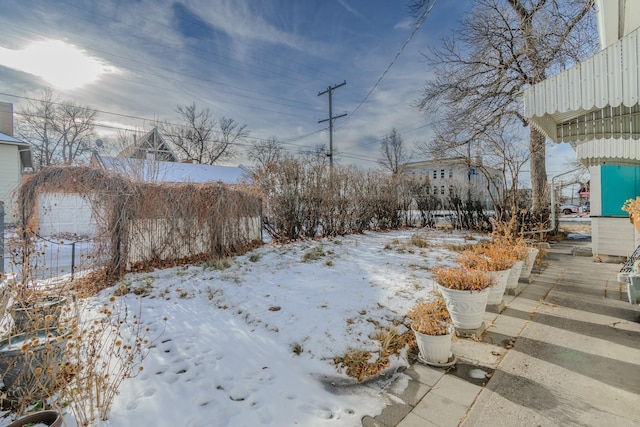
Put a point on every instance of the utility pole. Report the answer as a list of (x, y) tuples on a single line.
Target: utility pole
[(329, 90)]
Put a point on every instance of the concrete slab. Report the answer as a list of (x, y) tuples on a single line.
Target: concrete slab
[(477, 352), (393, 414), (413, 420), (440, 410), (504, 330), (460, 391), (425, 374), (515, 322)]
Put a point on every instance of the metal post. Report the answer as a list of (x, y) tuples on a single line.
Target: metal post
[(73, 259)]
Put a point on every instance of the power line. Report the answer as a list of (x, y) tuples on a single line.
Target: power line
[(395, 58), (286, 141)]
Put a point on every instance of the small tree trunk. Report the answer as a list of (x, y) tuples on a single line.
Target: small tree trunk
[(537, 142)]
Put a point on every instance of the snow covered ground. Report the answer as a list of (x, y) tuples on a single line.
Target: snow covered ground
[(252, 344)]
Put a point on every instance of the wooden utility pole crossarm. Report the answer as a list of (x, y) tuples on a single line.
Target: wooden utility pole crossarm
[(329, 90)]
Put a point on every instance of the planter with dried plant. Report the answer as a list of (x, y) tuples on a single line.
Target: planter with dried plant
[(492, 259), (431, 324), (465, 292)]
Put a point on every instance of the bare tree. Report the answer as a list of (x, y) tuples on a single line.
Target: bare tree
[(59, 131), (203, 139), (505, 46), (265, 152), (75, 125), (392, 153)]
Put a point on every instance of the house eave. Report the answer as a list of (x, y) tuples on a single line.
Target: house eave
[(597, 99)]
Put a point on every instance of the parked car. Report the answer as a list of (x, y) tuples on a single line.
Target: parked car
[(569, 209), (586, 208)]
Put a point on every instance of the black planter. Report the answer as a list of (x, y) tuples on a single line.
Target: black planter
[(28, 369), (43, 314), (48, 418)]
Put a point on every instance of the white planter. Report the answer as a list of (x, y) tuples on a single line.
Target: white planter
[(496, 291), (434, 348), (528, 263), (514, 275), (466, 308)]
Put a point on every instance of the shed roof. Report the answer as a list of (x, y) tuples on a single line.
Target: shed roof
[(159, 171)]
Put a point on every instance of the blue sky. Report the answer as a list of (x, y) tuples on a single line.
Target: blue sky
[(261, 63)]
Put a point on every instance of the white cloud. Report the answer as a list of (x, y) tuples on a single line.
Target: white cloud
[(62, 65)]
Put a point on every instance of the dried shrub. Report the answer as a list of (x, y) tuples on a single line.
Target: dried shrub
[(145, 225), (104, 348), (487, 257)]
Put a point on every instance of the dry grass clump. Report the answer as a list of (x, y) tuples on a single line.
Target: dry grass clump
[(313, 254), (456, 247), (362, 364), (461, 278), (419, 241)]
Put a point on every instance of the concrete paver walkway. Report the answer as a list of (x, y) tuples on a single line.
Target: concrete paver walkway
[(565, 351)]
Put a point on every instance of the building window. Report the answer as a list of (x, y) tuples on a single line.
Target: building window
[(451, 190), (441, 173), (442, 189), (435, 190), (450, 172), (427, 189), (435, 174)]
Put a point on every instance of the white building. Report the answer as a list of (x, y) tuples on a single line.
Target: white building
[(456, 177)]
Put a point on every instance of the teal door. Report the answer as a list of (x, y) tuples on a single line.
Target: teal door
[(619, 183)]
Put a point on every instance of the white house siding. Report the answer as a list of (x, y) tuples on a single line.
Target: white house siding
[(612, 237), (65, 213), (10, 176), (595, 191)]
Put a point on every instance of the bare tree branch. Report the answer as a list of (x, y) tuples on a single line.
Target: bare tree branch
[(203, 139), (506, 45)]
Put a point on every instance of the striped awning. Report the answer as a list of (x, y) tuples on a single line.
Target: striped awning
[(609, 152), (598, 99)]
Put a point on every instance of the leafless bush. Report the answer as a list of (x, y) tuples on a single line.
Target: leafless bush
[(306, 198), (106, 346)]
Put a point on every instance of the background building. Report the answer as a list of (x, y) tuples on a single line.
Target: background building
[(456, 176)]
